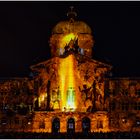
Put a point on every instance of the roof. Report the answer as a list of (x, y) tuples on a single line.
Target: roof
[(52, 61), (65, 27)]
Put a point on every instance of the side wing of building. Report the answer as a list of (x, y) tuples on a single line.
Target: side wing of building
[(122, 101)]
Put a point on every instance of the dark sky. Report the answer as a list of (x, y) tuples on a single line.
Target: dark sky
[(25, 28)]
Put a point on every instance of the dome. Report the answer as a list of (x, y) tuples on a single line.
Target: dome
[(71, 26), (71, 31)]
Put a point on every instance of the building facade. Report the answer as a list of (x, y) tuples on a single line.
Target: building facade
[(70, 92)]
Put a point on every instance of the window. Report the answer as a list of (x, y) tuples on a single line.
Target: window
[(4, 107), (99, 124), (124, 106), (111, 121), (81, 50), (71, 125), (1, 93), (111, 92), (136, 106), (55, 125), (137, 92), (112, 106), (17, 121), (11, 122), (61, 51), (86, 124), (4, 121), (1, 106), (42, 125)]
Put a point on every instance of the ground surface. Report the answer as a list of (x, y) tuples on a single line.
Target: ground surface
[(117, 135)]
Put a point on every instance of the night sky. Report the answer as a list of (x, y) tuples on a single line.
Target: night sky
[(25, 29)]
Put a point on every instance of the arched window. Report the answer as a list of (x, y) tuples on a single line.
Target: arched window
[(99, 124), (42, 124), (112, 106), (81, 51), (71, 125), (86, 125), (61, 51), (55, 125)]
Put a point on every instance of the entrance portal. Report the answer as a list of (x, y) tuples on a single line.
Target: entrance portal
[(86, 125), (71, 125), (55, 125)]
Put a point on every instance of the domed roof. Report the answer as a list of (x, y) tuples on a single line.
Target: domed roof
[(71, 31), (71, 26)]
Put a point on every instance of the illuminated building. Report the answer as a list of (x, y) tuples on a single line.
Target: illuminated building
[(70, 92)]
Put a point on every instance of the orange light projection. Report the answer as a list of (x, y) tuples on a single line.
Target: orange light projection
[(66, 39), (42, 98), (67, 80)]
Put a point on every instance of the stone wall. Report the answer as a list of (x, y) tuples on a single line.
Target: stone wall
[(95, 118)]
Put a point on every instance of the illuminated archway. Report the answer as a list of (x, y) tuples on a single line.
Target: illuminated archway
[(55, 125), (86, 125), (71, 125)]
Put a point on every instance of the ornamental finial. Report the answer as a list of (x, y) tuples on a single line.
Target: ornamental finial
[(71, 13)]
